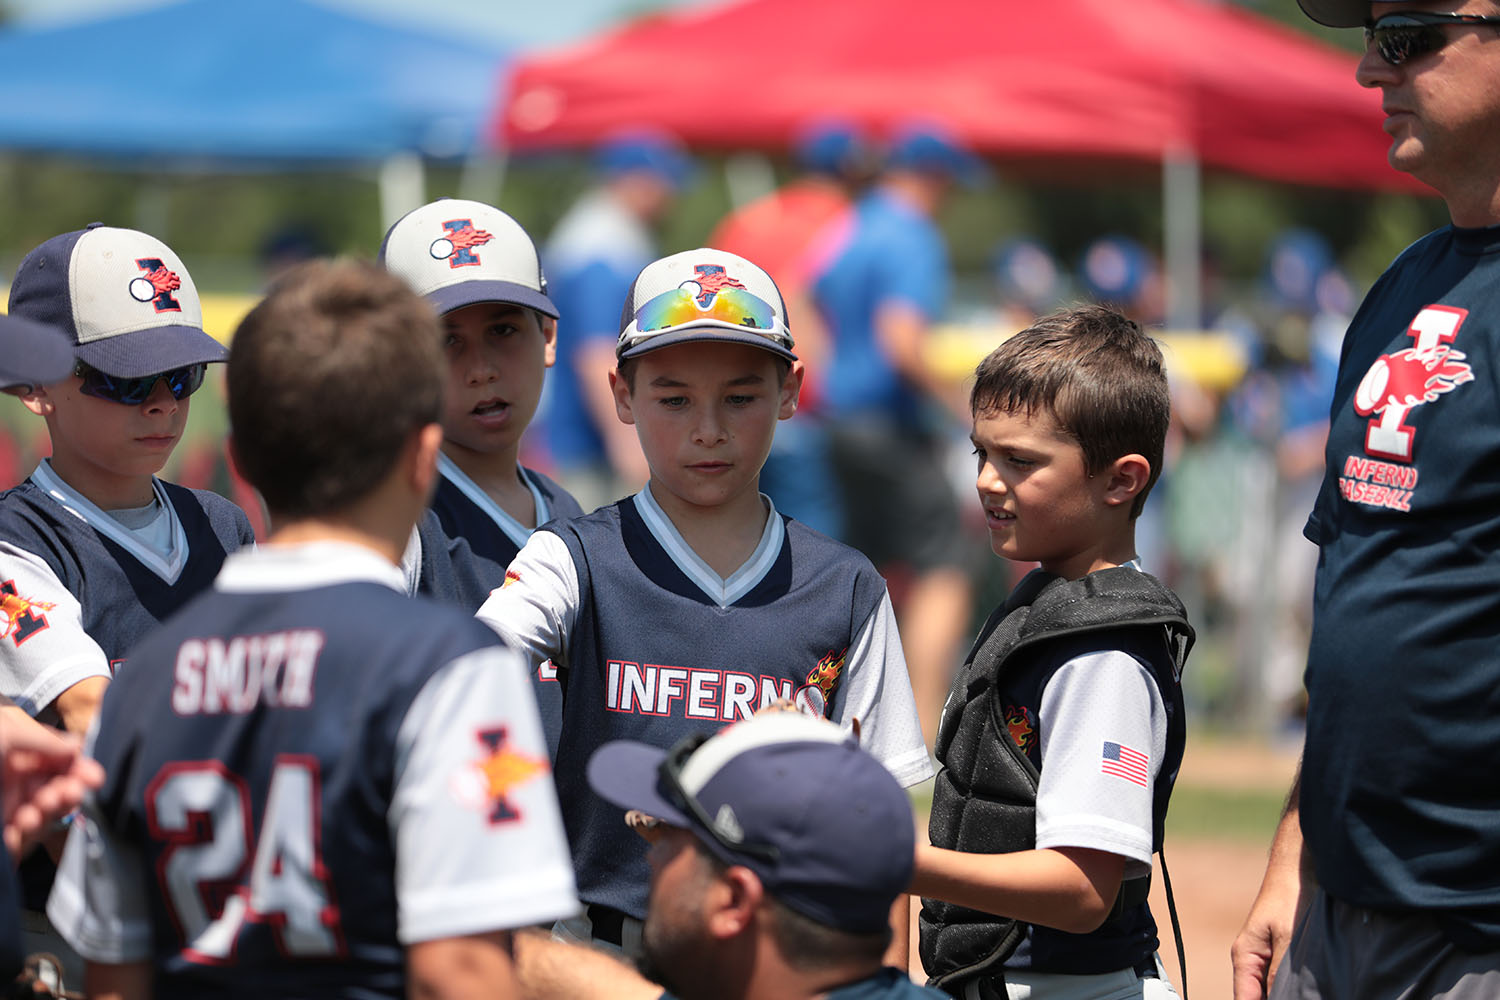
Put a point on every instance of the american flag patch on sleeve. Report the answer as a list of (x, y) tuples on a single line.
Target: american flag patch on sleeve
[(1123, 762)]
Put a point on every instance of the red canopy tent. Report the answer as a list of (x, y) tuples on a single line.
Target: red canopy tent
[(1051, 84), (1055, 80)]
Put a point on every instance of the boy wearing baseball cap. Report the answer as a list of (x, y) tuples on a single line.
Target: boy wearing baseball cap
[(693, 603), (94, 549), (479, 269)]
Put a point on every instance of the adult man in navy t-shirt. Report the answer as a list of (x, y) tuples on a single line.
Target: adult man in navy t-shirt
[(1392, 847)]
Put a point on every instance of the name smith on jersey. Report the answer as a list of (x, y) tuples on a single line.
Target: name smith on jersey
[(215, 676)]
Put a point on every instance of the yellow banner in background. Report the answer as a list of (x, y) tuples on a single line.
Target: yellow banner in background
[(1212, 359), (222, 313)]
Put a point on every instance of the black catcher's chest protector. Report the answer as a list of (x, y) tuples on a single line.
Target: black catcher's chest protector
[(984, 800)]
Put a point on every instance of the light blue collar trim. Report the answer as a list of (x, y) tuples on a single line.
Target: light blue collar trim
[(166, 565), (721, 590), (514, 529)]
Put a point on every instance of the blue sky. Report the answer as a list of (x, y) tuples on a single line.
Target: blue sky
[(506, 21)]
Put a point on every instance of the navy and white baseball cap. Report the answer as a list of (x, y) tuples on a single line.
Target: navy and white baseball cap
[(122, 297), (823, 824), (456, 252), (1337, 13), (32, 354), (703, 294)]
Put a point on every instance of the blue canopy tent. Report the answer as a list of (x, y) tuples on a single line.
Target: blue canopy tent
[(208, 84)]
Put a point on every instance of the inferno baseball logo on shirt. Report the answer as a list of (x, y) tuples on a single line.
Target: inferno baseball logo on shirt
[(1394, 385)]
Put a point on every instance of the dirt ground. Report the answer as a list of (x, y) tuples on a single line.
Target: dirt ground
[(1214, 882)]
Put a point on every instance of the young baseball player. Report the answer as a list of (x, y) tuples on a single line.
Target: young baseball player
[(1063, 731), (480, 271), (694, 603), (343, 789), (94, 549)]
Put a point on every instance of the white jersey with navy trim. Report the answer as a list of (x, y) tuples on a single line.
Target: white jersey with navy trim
[(369, 788), (654, 645)]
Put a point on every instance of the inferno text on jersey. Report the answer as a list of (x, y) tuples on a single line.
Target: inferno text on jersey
[(216, 676), (691, 692)]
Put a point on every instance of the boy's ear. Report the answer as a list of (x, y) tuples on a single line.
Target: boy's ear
[(621, 389), (429, 442), (37, 401), (549, 337), (1125, 477), (791, 390)]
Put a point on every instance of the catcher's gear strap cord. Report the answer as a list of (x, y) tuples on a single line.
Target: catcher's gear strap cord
[(1172, 910)]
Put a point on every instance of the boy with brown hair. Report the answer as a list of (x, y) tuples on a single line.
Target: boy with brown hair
[(381, 814), (480, 271), (1064, 729), (694, 603)]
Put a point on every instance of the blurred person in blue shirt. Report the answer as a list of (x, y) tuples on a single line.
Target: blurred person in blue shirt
[(591, 257), (882, 284)]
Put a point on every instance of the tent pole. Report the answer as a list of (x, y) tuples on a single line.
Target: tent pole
[(483, 177), (403, 186), (1182, 235)]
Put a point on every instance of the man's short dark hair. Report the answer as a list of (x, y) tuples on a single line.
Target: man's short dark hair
[(329, 377), (1099, 375), (807, 945)]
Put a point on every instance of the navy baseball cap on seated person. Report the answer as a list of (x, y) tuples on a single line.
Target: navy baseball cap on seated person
[(32, 354), (456, 253), (122, 297), (821, 822), (703, 294), (1337, 13)]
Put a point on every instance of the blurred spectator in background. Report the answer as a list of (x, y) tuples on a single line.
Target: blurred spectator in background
[(593, 255), (783, 232), (891, 416), (1028, 282), (1293, 333), (1119, 271)]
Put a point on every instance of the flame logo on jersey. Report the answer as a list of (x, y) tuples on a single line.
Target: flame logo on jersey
[(816, 696), (712, 279), (157, 285), (20, 615), (1410, 377), (457, 243), (503, 770), (1021, 726), (511, 576)]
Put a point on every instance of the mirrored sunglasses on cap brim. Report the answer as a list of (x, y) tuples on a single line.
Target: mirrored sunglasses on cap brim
[(679, 307)]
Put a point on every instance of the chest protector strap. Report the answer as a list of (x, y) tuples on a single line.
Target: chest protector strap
[(984, 800)]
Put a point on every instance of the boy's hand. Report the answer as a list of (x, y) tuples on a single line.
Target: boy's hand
[(648, 828)]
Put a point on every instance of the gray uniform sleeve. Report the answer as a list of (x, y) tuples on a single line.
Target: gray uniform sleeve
[(43, 647), (98, 901), (479, 838), (1103, 734), (878, 694), (536, 608)]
